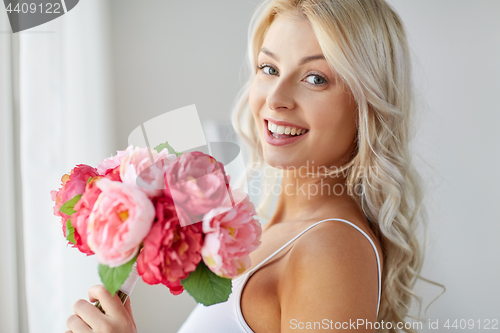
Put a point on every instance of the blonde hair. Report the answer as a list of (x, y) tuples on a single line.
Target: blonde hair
[(364, 41)]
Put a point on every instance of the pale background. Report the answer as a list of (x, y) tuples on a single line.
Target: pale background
[(167, 55), (163, 55)]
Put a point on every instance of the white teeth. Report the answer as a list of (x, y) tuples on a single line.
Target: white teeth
[(284, 130)]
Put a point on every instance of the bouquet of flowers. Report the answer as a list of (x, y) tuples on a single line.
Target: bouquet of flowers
[(168, 217)]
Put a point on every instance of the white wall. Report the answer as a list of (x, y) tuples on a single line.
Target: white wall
[(169, 54)]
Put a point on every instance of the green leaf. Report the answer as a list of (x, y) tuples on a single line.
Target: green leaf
[(113, 278), (171, 150), (206, 287), (88, 180), (67, 207), (70, 232)]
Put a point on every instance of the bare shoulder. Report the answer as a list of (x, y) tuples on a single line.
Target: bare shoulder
[(331, 274), (335, 238)]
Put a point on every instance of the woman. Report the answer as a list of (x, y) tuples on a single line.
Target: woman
[(328, 102)]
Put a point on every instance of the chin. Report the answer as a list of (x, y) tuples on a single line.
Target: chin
[(281, 161)]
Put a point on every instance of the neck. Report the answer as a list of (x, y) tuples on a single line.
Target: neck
[(311, 197)]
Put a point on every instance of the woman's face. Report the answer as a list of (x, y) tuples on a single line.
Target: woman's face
[(294, 87)]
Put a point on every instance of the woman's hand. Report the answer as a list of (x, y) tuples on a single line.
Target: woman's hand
[(88, 318)]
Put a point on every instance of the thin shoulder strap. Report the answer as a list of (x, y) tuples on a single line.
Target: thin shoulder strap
[(376, 253), (336, 219)]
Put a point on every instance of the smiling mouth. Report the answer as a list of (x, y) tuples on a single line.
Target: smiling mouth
[(281, 132)]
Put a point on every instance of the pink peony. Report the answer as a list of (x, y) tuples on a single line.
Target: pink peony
[(114, 161), (196, 182), (83, 207), (119, 221), (170, 251), (230, 236), (143, 168), (71, 185), (80, 219)]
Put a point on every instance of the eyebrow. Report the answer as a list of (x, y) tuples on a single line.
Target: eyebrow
[(301, 62)]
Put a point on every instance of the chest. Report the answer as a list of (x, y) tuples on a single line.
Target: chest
[(259, 299)]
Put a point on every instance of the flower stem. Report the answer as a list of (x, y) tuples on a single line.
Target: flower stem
[(126, 288), (120, 293)]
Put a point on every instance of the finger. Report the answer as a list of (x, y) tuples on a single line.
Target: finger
[(77, 325), (112, 305), (90, 314)]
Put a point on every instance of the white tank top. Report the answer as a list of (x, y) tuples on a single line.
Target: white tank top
[(227, 316)]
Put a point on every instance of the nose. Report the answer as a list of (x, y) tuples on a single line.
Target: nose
[(281, 95)]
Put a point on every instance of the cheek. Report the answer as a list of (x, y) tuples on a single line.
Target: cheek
[(251, 100), (337, 112), (255, 104), (337, 122), (257, 96)]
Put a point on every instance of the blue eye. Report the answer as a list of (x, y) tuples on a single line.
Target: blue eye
[(317, 81), (272, 70)]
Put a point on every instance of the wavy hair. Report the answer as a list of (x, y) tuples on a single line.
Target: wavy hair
[(365, 42)]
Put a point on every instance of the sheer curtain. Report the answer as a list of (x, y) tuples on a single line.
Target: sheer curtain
[(56, 112), (9, 286)]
